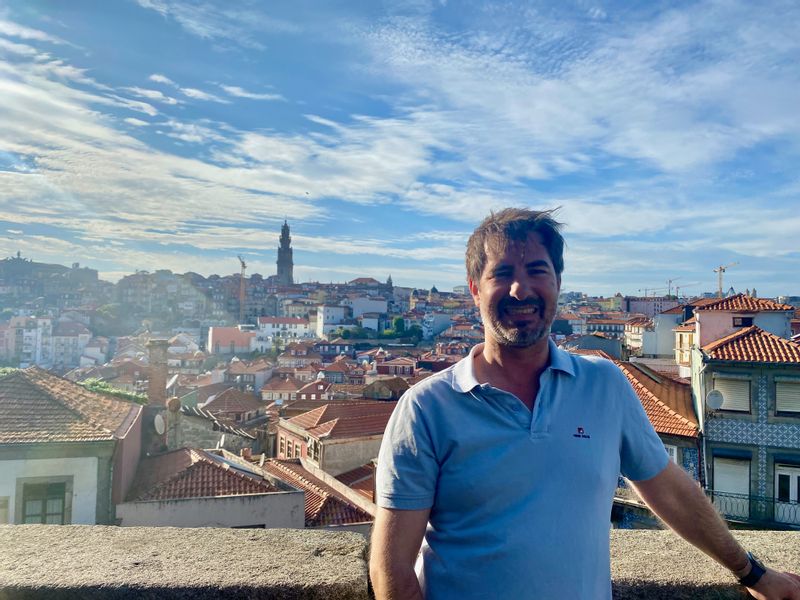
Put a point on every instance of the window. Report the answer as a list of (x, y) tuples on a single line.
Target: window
[(672, 451), (288, 448), (282, 447), (787, 396), (787, 494), (43, 503), (742, 321), (735, 393), (732, 486), (297, 450)]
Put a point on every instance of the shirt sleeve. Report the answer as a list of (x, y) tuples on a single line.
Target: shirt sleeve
[(642, 453), (407, 467)]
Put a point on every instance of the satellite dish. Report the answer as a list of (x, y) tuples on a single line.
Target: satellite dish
[(159, 424), (714, 399)]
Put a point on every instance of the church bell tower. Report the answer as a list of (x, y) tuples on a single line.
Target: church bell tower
[(285, 264)]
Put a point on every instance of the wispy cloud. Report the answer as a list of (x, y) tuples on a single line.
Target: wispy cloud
[(241, 93), (156, 77), (201, 95), (152, 95), (11, 29)]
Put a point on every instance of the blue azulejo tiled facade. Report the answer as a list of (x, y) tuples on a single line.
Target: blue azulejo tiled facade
[(748, 449)]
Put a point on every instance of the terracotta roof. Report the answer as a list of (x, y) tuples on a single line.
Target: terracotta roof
[(280, 384), (753, 344), (324, 506), (190, 473), (361, 479), (685, 328), (318, 386), (225, 336), (241, 367), (743, 303), (37, 406), (233, 401), (589, 352), (340, 410), (354, 427), (660, 401), (339, 366)]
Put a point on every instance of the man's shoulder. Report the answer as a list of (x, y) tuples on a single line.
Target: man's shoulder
[(592, 365), (438, 385)]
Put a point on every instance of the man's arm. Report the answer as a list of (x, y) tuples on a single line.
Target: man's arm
[(396, 540), (681, 504)]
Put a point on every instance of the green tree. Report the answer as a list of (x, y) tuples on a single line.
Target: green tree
[(399, 325), (103, 387)]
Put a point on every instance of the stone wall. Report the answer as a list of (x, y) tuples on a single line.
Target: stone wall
[(74, 561)]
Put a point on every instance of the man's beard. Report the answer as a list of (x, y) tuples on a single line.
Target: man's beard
[(512, 336)]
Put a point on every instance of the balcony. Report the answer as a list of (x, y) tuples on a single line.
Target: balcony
[(762, 511), (58, 562)]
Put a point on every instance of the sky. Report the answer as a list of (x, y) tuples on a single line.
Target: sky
[(178, 134)]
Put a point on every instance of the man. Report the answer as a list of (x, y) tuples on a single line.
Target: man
[(506, 463)]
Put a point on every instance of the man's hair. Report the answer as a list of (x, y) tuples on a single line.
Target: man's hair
[(514, 225)]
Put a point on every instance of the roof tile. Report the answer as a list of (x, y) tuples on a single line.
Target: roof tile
[(753, 344)]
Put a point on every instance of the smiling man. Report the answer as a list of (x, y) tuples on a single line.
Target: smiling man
[(503, 467)]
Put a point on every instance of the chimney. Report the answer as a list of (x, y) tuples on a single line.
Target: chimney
[(246, 453), (157, 380)]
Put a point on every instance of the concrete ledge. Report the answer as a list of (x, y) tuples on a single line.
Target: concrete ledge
[(659, 564), (76, 561), (165, 563)]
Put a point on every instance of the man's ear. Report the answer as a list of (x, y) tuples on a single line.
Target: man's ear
[(473, 289)]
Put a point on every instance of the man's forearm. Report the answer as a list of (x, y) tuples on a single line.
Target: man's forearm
[(682, 505), (392, 583)]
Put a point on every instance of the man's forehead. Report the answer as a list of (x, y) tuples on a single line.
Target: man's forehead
[(502, 249)]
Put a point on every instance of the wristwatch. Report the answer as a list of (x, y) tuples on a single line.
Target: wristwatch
[(757, 569)]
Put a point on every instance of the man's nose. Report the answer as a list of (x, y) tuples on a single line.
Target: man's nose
[(520, 289)]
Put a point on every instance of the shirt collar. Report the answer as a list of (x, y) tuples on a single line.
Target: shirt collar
[(463, 375)]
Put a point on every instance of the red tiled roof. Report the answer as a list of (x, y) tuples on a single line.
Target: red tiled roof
[(279, 384), (664, 418), (224, 336), (354, 427), (190, 473), (361, 479), (37, 406), (753, 344), (743, 303), (337, 410), (324, 505), (241, 367), (233, 401)]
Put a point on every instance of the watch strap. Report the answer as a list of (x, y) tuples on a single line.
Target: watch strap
[(756, 571)]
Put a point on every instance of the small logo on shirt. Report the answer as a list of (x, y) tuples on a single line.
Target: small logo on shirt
[(581, 433)]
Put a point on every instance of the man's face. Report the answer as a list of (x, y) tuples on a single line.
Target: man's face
[(518, 293)]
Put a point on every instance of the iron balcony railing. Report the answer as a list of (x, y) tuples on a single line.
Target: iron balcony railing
[(762, 510)]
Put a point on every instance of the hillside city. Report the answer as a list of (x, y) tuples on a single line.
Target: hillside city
[(259, 401)]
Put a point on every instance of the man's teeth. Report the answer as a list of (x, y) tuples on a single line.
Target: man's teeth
[(522, 310)]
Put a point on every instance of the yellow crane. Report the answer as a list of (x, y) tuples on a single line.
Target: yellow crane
[(241, 289), (719, 271)]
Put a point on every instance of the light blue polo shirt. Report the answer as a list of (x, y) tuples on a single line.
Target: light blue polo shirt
[(520, 501)]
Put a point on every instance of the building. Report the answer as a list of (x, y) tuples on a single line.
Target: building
[(189, 487), (67, 455), (230, 340), (285, 275), (752, 432), (335, 437)]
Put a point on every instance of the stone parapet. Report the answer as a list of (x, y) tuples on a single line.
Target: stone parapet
[(66, 562)]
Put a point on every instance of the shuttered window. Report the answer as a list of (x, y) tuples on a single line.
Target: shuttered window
[(735, 393), (787, 395)]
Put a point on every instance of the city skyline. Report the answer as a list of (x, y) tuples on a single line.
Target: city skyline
[(160, 134)]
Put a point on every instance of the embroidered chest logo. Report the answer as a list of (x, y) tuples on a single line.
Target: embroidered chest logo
[(581, 433)]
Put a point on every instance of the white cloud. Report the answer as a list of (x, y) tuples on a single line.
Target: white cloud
[(156, 77), (8, 28), (151, 95), (241, 93), (201, 95), (136, 122)]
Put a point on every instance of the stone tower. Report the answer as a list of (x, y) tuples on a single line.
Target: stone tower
[(285, 264)]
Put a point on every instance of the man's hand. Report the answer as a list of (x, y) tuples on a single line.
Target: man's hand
[(776, 586)]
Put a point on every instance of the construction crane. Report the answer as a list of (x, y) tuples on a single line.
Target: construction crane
[(654, 290), (678, 288), (719, 271), (669, 285), (241, 289)]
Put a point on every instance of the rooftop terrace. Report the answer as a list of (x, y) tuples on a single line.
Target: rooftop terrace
[(65, 562)]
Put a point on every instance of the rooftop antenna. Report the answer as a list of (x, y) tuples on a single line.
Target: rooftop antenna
[(669, 285), (719, 271), (241, 289)]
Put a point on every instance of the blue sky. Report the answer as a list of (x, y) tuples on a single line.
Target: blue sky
[(177, 134)]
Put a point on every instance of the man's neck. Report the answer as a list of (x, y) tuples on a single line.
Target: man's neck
[(514, 370)]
